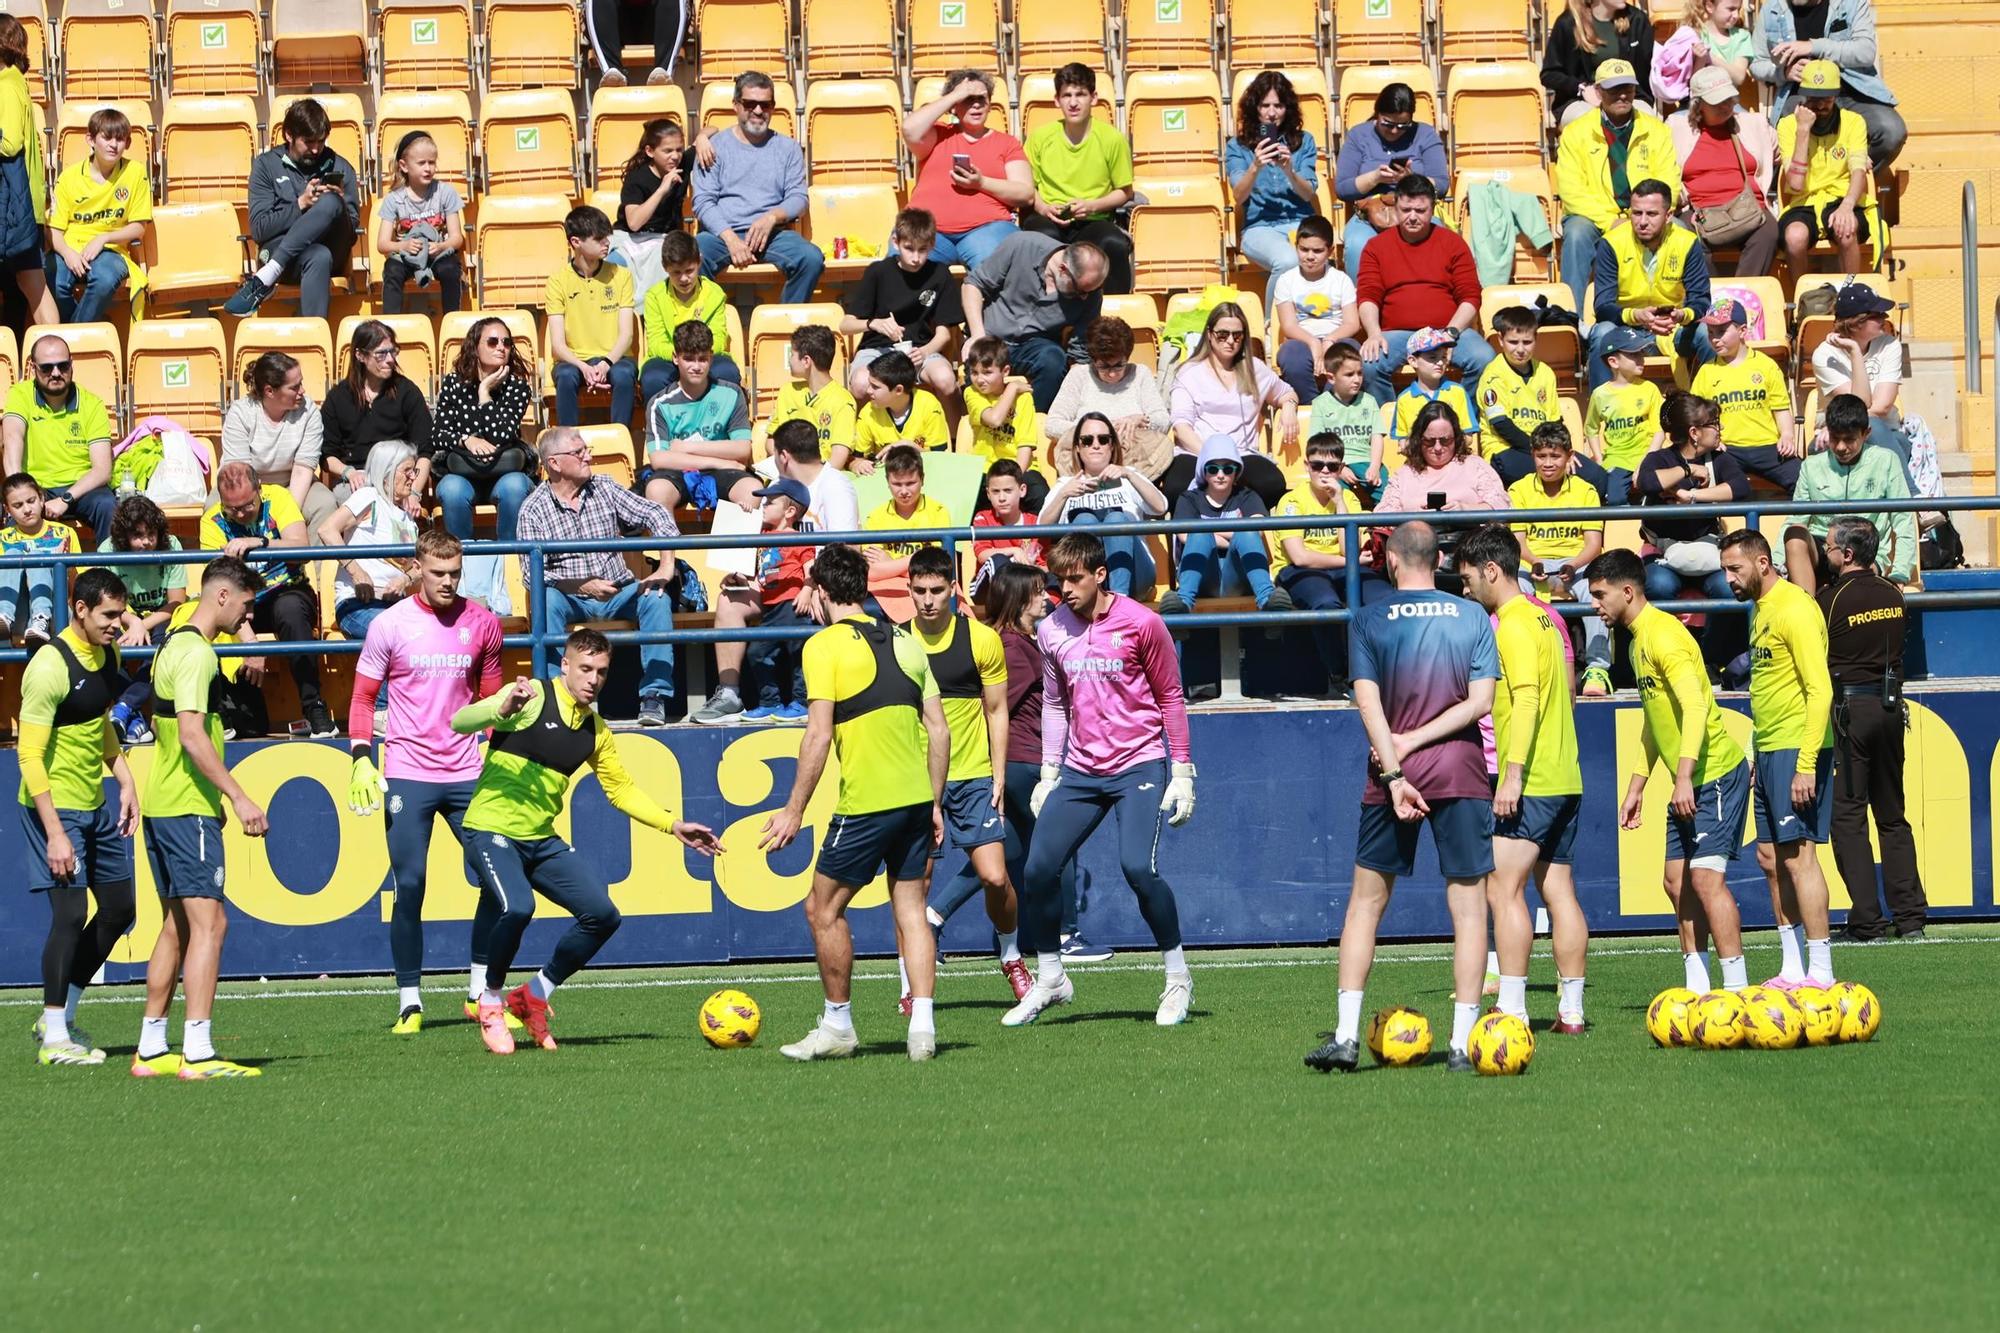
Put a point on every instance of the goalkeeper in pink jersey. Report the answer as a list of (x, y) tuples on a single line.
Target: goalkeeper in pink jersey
[(1112, 719), (436, 652)]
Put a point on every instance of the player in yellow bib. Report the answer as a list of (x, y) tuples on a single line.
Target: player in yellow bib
[(1540, 792), (871, 697), (1711, 793), (1791, 706)]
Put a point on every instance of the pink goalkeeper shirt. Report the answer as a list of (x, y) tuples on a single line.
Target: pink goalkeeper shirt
[(433, 666), (1111, 690)]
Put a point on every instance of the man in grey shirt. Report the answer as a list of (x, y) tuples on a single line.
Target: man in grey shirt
[(305, 202), (747, 196), (1038, 296)]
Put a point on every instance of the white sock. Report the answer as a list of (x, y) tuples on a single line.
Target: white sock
[(1794, 966), (408, 997), (1348, 1026), (55, 1027), (902, 975), (838, 1017), (1176, 960), (1514, 996), (1492, 963), (931, 915), (195, 1043), (269, 274), (1050, 969), (475, 981), (152, 1037), (75, 998), (1819, 961), (487, 995), (1695, 967), (1463, 1016), (542, 986), (1569, 998), (1734, 975), (1010, 946), (921, 1014)]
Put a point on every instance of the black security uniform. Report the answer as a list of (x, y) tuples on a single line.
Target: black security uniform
[(1865, 624)]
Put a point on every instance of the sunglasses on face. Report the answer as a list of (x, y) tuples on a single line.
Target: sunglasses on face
[(1324, 464), (53, 367), (1088, 440), (496, 342), (1221, 470), (752, 108), (1226, 335), (1440, 439)]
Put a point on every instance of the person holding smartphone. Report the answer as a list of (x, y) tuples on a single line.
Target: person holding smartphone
[(1272, 164), (1375, 157), (971, 177), (1441, 473), (305, 205)]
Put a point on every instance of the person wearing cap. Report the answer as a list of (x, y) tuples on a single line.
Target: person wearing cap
[(1651, 275), (1599, 158), (1585, 34), (1864, 357), (1722, 152), (1851, 468), (1748, 386), (1788, 33), (1826, 184), (1429, 350), (779, 596), (1415, 277), (1623, 418)]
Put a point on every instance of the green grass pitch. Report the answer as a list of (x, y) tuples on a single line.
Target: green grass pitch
[(1090, 1172)]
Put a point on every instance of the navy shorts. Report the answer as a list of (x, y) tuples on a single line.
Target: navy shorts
[(1717, 827), (102, 857), (1462, 828), (185, 852), (1547, 821), (1814, 823), (969, 817), (858, 847)]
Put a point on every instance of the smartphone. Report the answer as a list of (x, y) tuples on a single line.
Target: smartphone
[(1435, 500), (1400, 163), (961, 161), (1266, 133)]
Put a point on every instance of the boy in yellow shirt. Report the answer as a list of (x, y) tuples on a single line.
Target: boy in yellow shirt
[(589, 303), (1430, 353), (684, 296), (1622, 423), (1310, 564), (814, 396), (1747, 385), (1556, 554), (898, 412), (1002, 411), (908, 509), (1825, 180), (101, 206)]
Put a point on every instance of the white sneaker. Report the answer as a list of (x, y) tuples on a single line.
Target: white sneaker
[(1175, 1001), (922, 1045), (1038, 998), (822, 1043)]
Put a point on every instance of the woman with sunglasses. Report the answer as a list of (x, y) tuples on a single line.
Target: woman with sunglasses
[(1223, 390), (276, 429), (1104, 490), (1441, 472), (1112, 383), (376, 402), (476, 447), (1374, 157), (971, 177), (1221, 563)]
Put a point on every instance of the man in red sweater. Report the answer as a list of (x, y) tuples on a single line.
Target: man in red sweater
[(1418, 276)]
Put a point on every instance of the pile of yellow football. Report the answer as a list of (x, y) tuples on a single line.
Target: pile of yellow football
[(1764, 1018)]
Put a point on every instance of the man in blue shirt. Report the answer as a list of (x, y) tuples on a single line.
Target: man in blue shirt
[(749, 198), (698, 432)]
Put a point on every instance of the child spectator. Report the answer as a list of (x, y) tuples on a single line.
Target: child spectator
[(1316, 307), (1747, 385), (698, 434), (684, 295), (830, 503), (813, 396), (589, 305), (1104, 490), (907, 508), (1310, 563), (1222, 563), (29, 594), (907, 302), (1351, 415), (898, 412), (1000, 506), (1556, 554), (1003, 414), (1622, 424), (152, 594), (1518, 393), (1430, 351), (101, 206), (421, 228), (651, 198), (779, 597)]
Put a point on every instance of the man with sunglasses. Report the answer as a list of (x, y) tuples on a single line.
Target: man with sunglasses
[(1039, 296), (59, 433), (749, 198)]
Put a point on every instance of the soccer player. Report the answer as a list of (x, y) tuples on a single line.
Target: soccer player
[(870, 696), (183, 813), (1114, 731), (77, 849), (1711, 793), (436, 652), (1424, 666), (1540, 791), (970, 667), (515, 803), (1791, 706)]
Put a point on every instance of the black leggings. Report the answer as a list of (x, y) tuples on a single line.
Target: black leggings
[(604, 29), (1260, 474), (75, 950)]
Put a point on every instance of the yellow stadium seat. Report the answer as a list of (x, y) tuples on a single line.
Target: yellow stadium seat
[(738, 35), (1038, 103), (426, 43), (865, 212), (1056, 32), (527, 140), (179, 368), (215, 47), (1177, 232), (1496, 113), (10, 359), (99, 359), (611, 451), (73, 134), (1142, 313), (931, 87), (1560, 345), (454, 326), (1174, 118), (533, 44), (854, 129), (1360, 86), (106, 49), (769, 342), (417, 354), (848, 39), (617, 118), (519, 243), (1368, 31), (1275, 34), (1485, 30), (319, 43), (206, 144), (718, 107), (33, 16), (188, 257), (1169, 34), (1315, 107), (952, 34), (1530, 264), (349, 135), (445, 116), (308, 340)]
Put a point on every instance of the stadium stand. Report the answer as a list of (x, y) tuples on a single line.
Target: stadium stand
[(445, 116), (854, 132), (179, 368), (1495, 112), (616, 117), (106, 49), (738, 35), (215, 47), (1049, 33), (848, 39), (1368, 31), (309, 340), (1175, 120), (425, 44), (1177, 226), (945, 35), (532, 44), (320, 44), (1169, 34), (520, 242), (1281, 33), (99, 355), (1360, 85), (527, 142)]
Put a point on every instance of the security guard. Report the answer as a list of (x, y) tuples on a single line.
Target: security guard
[(1865, 624)]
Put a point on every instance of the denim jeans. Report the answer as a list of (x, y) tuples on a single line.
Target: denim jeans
[(1296, 369), (1578, 257), (971, 247), (107, 274), (27, 593), (1270, 248), (1210, 569), (1471, 354), (1043, 363), (767, 658), (355, 614), (1664, 585), (569, 386), (457, 495), (1130, 563), (654, 610), (796, 257)]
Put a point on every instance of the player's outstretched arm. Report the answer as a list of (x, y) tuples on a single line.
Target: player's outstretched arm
[(509, 710)]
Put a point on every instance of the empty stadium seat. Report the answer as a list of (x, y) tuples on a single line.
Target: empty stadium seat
[(1274, 34), (188, 261), (10, 359), (426, 44), (1496, 113), (860, 212), (617, 116), (179, 368), (848, 38), (952, 34), (931, 87), (445, 116), (1486, 30), (718, 107), (1174, 119), (33, 16), (738, 35), (106, 49), (1315, 107), (527, 140), (769, 341), (533, 44), (519, 242), (1530, 264), (1142, 312), (417, 347), (206, 144), (98, 357), (319, 43), (1366, 32), (73, 134), (1038, 103), (349, 134), (1177, 231), (215, 47), (309, 340), (854, 131), (1360, 86), (1051, 33), (1169, 34)]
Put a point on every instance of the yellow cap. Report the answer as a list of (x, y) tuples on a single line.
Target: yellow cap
[(1616, 74), (1819, 76)]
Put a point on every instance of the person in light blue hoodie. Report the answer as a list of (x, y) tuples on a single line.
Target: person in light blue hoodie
[(1788, 33)]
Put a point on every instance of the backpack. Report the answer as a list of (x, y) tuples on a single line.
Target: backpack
[(1753, 307)]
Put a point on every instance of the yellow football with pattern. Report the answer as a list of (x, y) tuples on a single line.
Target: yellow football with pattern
[(1500, 1044), (1718, 1021), (1860, 1011), (729, 1018), (1821, 1014), (1399, 1036), (1670, 1017), (1772, 1020)]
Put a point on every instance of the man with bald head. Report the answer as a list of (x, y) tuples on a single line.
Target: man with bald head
[(59, 433), (1039, 296)]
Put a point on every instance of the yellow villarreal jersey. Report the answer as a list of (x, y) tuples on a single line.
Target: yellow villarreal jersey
[(1790, 687), (1672, 682), (1526, 400), (994, 443), (965, 658), (928, 514), (1830, 160), (1532, 658), (924, 426), (830, 411), (1302, 503), (1551, 540), (1751, 393), (1628, 417)]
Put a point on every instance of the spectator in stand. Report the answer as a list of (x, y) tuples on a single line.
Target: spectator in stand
[(1790, 33), (1351, 415), (1757, 425), (1651, 275), (603, 27), (1429, 349), (589, 306), (57, 431), (1726, 43), (1038, 295), (1517, 394), (1104, 490), (1556, 554), (1110, 382), (1693, 468), (248, 517), (830, 504), (1851, 468), (1223, 390), (101, 207), (1272, 163), (1440, 470), (1864, 357), (1002, 413), (1316, 308), (1723, 151), (376, 513), (683, 295), (907, 508), (906, 302), (276, 430), (750, 200), (1001, 505), (971, 178), (1826, 186), (1622, 423), (1083, 177), (1221, 563), (698, 435), (1376, 157), (420, 228), (573, 505), (1585, 35), (152, 594), (1419, 276), (477, 453), (1599, 159), (812, 396), (780, 596), (376, 402), (28, 595), (23, 206), (305, 203), (898, 412), (652, 196), (1310, 564)]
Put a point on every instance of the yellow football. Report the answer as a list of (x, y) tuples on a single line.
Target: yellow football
[(1821, 1014), (729, 1018), (1670, 1017), (1772, 1021), (1718, 1021), (1399, 1036), (1860, 1011), (1500, 1044)]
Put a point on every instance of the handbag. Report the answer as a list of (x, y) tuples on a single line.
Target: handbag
[(1743, 214)]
